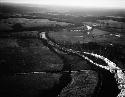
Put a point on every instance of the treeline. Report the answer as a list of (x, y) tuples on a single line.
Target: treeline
[(18, 28)]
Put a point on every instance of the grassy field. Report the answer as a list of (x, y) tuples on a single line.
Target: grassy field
[(31, 85), (96, 35), (26, 55)]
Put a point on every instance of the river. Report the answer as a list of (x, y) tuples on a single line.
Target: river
[(106, 73)]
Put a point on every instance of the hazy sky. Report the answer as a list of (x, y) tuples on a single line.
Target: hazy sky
[(75, 3)]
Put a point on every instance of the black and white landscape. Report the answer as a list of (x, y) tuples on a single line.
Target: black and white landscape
[(62, 51)]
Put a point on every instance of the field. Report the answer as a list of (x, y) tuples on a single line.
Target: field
[(96, 35)]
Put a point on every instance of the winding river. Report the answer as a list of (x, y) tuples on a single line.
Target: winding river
[(110, 75)]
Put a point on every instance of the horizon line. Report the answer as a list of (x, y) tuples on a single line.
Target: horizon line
[(61, 6)]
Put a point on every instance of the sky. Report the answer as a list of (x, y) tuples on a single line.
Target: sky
[(75, 3)]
